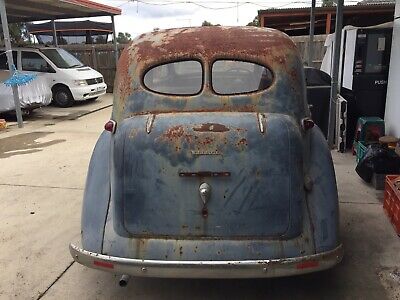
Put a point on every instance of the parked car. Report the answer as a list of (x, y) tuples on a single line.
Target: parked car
[(210, 166), (70, 80), (34, 94)]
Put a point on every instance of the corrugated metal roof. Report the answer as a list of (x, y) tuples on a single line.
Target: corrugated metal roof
[(37, 10), (360, 7)]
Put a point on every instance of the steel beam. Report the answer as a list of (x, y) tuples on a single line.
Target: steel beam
[(335, 73), (10, 61), (54, 31), (116, 56), (311, 38)]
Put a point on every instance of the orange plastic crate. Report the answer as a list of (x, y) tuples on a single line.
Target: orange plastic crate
[(391, 202)]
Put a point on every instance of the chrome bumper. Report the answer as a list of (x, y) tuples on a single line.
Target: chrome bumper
[(208, 269)]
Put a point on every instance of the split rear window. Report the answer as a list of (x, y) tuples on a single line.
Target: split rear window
[(228, 77), (232, 77), (177, 78)]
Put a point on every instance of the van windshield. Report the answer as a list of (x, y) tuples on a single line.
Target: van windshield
[(62, 59)]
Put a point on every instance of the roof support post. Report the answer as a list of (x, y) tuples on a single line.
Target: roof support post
[(335, 73), (116, 56), (311, 38), (10, 61), (328, 23), (54, 30)]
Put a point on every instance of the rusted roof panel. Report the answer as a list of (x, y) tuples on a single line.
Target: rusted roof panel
[(268, 47), (208, 43)]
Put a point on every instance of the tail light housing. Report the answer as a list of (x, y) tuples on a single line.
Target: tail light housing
[(111, 126), (307, 123)]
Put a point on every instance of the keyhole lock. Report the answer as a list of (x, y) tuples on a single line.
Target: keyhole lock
[(205, 193)]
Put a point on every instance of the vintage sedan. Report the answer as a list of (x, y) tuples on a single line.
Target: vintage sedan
[(210, 166)]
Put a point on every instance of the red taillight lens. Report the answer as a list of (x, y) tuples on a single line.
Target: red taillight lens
[(307, 123), (110, 126), (307, 264), (103, 264)]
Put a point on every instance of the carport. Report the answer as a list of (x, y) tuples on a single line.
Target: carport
[(14, 11), (37, 10)]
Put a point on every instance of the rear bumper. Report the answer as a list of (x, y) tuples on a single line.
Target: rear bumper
[(208, 269)]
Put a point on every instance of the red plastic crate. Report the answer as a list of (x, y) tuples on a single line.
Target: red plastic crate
[(391, 202)]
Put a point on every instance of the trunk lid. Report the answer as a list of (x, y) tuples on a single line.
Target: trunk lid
[(252, 165)]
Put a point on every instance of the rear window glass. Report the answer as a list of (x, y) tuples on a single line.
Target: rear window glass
[(239, 77), (176, 78)]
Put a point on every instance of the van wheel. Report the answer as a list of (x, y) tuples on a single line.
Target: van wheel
[(62, 97)]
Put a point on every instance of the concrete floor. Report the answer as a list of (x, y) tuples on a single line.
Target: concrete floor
[(42, 175)]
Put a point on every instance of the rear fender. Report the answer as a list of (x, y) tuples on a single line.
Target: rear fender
[(97, 195), (322, 198)]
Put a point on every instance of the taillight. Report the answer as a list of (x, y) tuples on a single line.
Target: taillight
[(307, 123), (103, 264), (307, 264), (111, 126)]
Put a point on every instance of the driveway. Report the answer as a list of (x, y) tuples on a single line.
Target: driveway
[(42, 176)]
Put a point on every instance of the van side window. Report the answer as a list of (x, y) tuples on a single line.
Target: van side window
[(3, 60), (32, 61)]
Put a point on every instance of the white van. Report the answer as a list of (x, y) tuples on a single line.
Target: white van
[(70, 80)]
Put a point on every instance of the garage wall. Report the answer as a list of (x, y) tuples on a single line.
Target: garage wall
[(392, 114)]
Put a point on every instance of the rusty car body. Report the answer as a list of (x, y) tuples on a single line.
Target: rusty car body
[(210, 166)]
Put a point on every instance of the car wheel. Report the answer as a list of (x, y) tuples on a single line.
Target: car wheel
[(26, 112), (62, 97)]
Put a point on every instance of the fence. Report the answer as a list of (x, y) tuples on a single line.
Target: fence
[(101, 57), (319, 49)]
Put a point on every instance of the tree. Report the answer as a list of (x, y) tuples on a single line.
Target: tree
[(19, 35), (100, 39), (206, 23), (255, 22), (124, 38), (327, 2)]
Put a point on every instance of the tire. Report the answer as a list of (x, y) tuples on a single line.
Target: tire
[(62, 97), (26, 112)]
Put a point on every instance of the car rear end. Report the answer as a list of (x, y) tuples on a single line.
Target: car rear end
[(219, 179)]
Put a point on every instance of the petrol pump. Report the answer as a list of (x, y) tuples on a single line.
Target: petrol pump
[(363, 73)]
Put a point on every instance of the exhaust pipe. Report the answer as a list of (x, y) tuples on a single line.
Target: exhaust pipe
[(123, 281)]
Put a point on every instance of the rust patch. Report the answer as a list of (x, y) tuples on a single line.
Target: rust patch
[(123, 77), (175, 132), (206, 141), (210, 42), (242, 142), (211, 127)]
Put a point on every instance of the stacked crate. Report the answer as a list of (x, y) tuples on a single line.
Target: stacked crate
[(391, 203)]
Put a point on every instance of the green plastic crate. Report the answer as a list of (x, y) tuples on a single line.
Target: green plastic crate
[(361, 150), (368, 130)]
